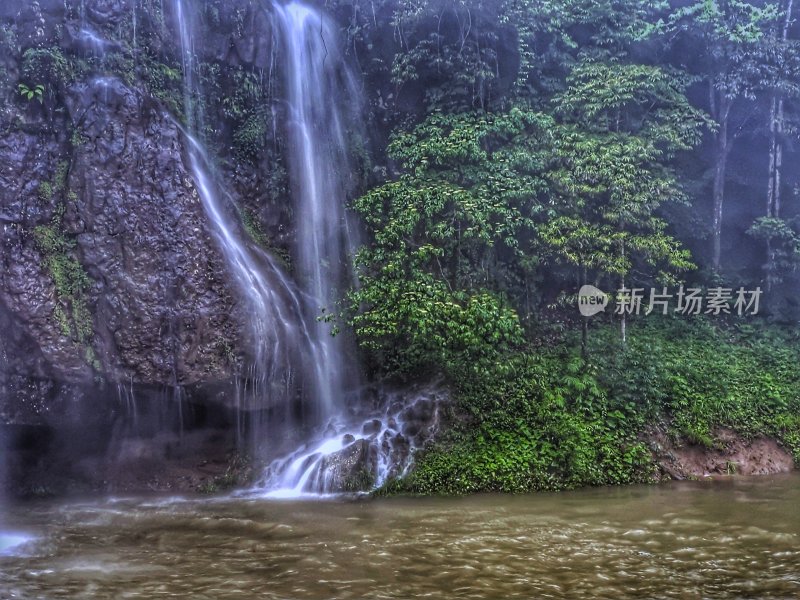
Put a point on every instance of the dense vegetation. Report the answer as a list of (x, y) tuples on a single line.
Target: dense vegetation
[(634, 144), (545, 419)]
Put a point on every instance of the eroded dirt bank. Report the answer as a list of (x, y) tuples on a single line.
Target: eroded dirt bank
[(731, 454)]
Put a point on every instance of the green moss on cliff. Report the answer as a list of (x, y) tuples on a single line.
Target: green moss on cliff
[(70, 279), (256, 233), (249, 138)]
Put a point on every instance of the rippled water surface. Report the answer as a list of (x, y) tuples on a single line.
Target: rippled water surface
[(730, 539)]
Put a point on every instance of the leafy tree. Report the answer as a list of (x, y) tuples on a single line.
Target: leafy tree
[(450, 48), (730, 44), (449, 239), (621, 126), (783, 241), (554, 36)]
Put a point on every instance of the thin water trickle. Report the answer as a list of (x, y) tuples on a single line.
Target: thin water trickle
[(96, 44), (272, 323), (133, 25)]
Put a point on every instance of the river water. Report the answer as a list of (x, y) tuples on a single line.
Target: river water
[(737, 538)]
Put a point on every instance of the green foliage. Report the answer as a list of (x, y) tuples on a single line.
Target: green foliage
[(45, 191), (238, 472), (541, 422), (645, 101), (253, 229), (444, 233), (486, 200), (70, 280), (783, 239), (47, 67), (251, 137), (415, 322), (699, 377), (622, 124), (735, 50), (37, 92), (256, 233), (554, 36), (165, 82), (549, 421), (241, 95)]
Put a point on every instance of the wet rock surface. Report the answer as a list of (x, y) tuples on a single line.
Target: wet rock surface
[(352, 468), (99, 165), (374, 445), (161, 304)]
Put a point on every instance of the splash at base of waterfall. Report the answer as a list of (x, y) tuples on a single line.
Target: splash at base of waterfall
[(12, 543), (359, 453)]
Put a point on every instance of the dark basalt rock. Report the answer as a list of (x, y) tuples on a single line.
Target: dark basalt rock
[(162, 306), (161, 310), (351, 468)]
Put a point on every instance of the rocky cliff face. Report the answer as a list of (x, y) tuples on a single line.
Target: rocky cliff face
[(112, 286), (110, 271)]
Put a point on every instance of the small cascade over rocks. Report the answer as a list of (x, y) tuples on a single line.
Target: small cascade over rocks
[(92, 43), (362, 450)]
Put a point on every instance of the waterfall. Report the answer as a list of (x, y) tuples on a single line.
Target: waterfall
[(284, 350), (318, 85), (353, 443)]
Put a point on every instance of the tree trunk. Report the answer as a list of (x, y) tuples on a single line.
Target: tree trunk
[(773, 151), (776, 133), (773, 208), (623, 326), (778, 160), (584, 326), (720, 168)]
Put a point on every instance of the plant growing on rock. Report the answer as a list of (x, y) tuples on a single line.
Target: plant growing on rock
[(36, 92)]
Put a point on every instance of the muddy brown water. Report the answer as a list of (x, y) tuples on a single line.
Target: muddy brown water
[(738, 538)]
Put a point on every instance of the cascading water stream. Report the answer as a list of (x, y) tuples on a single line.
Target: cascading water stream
[(283, 347), (355, 444), (318, 85)]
